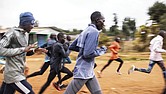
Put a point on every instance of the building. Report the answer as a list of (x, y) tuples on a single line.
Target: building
[(40, 35), (37, 34)]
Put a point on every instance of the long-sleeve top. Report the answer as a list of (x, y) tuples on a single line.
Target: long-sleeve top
[(86, 44), (57, 55), (114, 47), (156, 45), (12, 46), (49, 43)]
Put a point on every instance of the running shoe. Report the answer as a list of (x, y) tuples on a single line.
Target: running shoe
[(63, 86), (99, 74), (131, 69), (119, 73), (56, 86)]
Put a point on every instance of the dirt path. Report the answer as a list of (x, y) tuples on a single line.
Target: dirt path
[(111, 83)]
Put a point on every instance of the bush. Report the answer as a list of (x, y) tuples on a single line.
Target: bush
[(104, 40)]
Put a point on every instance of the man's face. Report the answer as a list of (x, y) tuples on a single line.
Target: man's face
[(62, 39), (100, 23), (54, 37), (28, 27)]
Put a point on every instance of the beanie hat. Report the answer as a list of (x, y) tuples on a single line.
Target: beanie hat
[(26, 18)]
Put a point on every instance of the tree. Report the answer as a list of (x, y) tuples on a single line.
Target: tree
[(128, 27), (125, 29), (156, 11), (114, 28), (115, 19), (104, 30), (141, 43), (158, 14), (144, 35), (163, 27), (162, 22)]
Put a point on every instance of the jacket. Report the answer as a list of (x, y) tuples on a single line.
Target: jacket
[(12, 46), (156, 45), (57, 55)]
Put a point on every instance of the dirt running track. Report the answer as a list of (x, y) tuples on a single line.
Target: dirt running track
[(111, 83)]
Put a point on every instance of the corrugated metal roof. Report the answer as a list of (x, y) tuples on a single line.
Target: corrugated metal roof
[(36, 30), (44, 31)]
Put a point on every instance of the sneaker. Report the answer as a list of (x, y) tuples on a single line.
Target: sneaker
[(63, 86), (119, 73), (131, 69), (99, 74), (56, 86)]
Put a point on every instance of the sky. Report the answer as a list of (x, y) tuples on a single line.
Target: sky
[(74, 14)]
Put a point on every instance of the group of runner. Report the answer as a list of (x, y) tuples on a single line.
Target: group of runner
[(14, 47)]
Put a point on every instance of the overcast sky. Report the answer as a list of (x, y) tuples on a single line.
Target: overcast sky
[(69, 14)]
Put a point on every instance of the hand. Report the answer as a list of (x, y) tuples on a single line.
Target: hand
[(104, 48), (35, 45), (2, 69), (39, 50), (28, 48), (115, 52)]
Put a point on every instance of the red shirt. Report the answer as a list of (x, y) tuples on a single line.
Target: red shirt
[(114, 47)]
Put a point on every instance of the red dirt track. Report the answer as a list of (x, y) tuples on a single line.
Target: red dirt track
[(111, 83)]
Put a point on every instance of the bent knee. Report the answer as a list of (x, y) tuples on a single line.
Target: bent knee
[(70, 74)]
